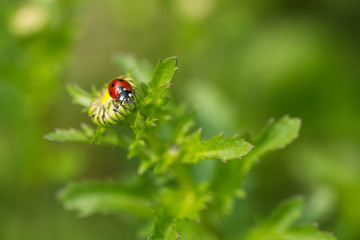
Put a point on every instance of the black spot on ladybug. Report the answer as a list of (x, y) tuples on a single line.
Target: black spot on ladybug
[(112, 85), (121, 80), (111, 92)]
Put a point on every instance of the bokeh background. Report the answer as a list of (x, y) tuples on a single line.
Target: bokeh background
[(241, 63)]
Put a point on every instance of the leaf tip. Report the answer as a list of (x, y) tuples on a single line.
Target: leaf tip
[(271, 120), (223, 160), (174, 57), (47, 137)]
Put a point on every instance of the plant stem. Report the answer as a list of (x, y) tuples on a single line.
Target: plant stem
[(183, 176)]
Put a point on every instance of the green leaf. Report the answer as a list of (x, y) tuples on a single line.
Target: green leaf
[(153, 102), (194, 149), (145, 144), (276, 136), (279, 225), (186, 203), (88, 135), (69, 135), (177, 206), (182, 123), (228, 179), (151, 114), (79, 95), (163, 74), (105, 197), (97, 134), (286, 214), (308, 232), (163, 227)]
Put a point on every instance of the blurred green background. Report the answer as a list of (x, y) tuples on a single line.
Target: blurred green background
[(241, 63)]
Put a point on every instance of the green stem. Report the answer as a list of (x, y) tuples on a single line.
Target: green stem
[(183, 176)]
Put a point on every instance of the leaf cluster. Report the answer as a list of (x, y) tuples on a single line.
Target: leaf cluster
[(163, 139)]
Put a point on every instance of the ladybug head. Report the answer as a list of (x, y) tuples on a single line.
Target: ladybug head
[(125, 95)]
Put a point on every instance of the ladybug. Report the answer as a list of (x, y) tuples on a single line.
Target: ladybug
[(121, 90), (114, 102)]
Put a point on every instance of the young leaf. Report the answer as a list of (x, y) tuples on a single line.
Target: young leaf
[(79, 95), (152, 105), (163, 227), (178, 205), (276, 136), (68, 135), (194, 149), (163, 74), (97, 134), (228, 179), (278, 225), (186, 203), (145, 144), (88, 135), (308, 232), (285, 214), (151, 114), (105, 197)]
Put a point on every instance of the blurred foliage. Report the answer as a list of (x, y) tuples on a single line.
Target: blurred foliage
[(278, 225), (248, 60)]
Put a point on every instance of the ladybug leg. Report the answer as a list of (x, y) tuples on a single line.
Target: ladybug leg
[(123, 105), (134, 96), (116, 105)]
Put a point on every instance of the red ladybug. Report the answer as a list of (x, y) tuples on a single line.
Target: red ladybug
[(121, 90)]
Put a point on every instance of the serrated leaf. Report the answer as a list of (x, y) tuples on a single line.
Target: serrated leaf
[(163, 227), (279, 225), (105, 197), (68, 135), (276, 136), (308, 232), (144, 144), (88, 135), (228, 179), (160, 81), (151, 114), (178, 205), (286, 214), (186, 203), (196, 230), (182, 124), (79, 95), (163, 74), (194, 149)]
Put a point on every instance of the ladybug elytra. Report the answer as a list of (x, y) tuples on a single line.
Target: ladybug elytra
[(120, 89)]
